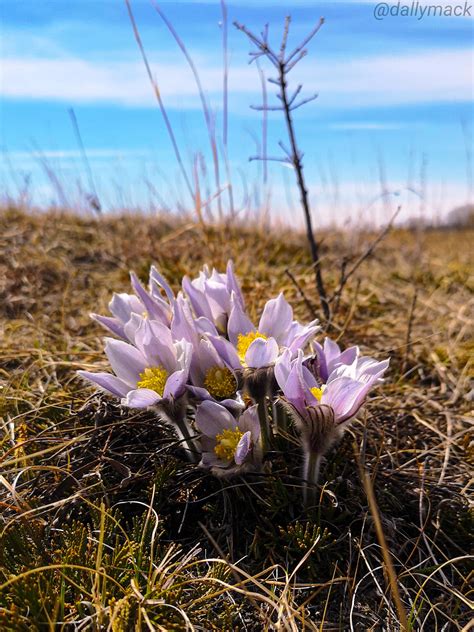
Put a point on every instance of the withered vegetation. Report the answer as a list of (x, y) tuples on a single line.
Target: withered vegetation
[(105, 527)]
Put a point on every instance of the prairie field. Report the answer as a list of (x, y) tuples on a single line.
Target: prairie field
[(105, 527)]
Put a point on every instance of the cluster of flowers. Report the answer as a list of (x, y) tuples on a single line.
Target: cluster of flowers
[(199, 348)]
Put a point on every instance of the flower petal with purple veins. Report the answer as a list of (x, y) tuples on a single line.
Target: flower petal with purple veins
[(261, 353), (239, 322), (182, 323), (155, 342), (205, 326), (300, 340), (345, 396), (212, 419), (107, 381), (159, 279), (242, 449), (295, 391), (276, 319), (175, 384), (112, 324), (226, 351), (197, 298), (232, 283), (141, 398), (123, 305), (282, 368), (126, 361), (248, 421), (154, 309)]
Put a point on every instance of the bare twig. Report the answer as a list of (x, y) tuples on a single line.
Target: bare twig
[(308, 303), (345, 276), (283, 65)]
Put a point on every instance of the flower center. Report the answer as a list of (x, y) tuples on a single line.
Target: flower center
[(227, 443), (153, 378), (245, 340), (317, 392), (220, 382)]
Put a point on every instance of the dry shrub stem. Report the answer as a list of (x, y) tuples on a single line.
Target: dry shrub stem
[(283, 64)]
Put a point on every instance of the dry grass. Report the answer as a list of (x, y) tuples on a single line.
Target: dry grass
[(104, 528)]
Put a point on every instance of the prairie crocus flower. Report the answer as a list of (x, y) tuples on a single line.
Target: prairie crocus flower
[(230, 445), (323, 411), (210, 295), (211, 378), (255, 347), (146, 303), (329, 360), (150, 373)]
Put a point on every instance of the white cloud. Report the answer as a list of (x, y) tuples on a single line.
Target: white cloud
[(428, 76)]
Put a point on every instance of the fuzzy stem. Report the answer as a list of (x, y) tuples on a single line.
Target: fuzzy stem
[(280, 417), (190, 447), (311, 467), (264, 424)]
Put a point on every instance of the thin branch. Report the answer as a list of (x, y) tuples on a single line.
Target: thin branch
[(290, 66), (282, 159), (308, 303), (294, 154), (345, 276), (306, 41), (295, 94), (261, 44), (304, 102), (267, 108), (284, 39)]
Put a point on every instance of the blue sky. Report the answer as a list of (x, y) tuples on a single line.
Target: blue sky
[(394, 110)]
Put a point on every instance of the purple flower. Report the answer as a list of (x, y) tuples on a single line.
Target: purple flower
[(229, 445), (210, 295), (330, 405), (145, 303), (253, 347), (330, 362), (152, 371), (211, 378)]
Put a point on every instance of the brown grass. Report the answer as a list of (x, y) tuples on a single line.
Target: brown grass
[(68, 457)]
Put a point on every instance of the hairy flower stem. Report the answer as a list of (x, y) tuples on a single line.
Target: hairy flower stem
[(280, 417), (189, 446), (175, 416), (264, 423), (311, 467)]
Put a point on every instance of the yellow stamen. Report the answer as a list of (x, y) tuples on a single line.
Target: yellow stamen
[(153, 378), (227, 443), (244, 341), (317, 392), (220, 382)]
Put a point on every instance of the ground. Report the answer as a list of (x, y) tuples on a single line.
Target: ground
[(105, 527)]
